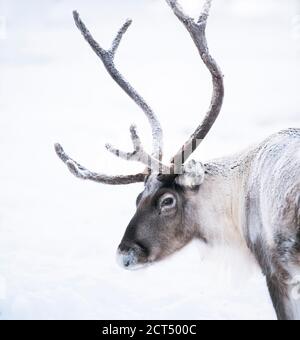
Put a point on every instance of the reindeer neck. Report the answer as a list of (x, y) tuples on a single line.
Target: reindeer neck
[(220, 200)]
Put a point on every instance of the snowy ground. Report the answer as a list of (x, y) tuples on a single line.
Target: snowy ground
[(58, 236)]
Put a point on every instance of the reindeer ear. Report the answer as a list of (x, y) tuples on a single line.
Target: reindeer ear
[(192, 175)]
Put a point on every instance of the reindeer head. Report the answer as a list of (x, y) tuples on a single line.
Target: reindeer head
[(165, 219)]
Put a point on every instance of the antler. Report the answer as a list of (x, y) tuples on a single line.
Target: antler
[(81, 172), (153, 162), (197, 31), (139, 154), (107, 58)]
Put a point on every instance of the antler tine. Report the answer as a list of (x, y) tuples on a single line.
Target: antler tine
[(107, 58), (118, 38), (178, 11), (197, 31), (81, 172), (139, 154)]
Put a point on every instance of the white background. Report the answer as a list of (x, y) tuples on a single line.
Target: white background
[(58, 235)]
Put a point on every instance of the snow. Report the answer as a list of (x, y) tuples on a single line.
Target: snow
[(59, 235)]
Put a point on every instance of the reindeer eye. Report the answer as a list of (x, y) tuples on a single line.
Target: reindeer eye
[(167, 202)]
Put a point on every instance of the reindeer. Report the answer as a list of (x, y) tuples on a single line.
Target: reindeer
[(251, 199)]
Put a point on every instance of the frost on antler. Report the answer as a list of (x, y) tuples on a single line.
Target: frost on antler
[(178, 11), (107, 58), (139, 154), (119, 37), (197, 30), (153, 162), (81, 172)]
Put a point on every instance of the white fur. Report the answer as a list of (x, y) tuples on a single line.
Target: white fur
[(294, 293), (192, 176)]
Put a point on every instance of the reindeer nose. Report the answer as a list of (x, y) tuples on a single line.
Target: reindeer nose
[(138, 247), (129, 253)]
